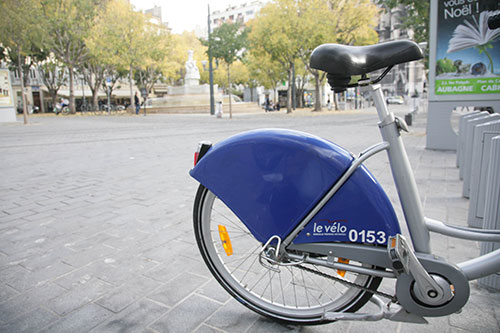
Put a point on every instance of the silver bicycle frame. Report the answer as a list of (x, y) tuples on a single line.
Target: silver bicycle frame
[(402, 173), (418, 225)]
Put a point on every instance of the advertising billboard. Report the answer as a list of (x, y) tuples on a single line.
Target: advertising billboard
[(465, 60)]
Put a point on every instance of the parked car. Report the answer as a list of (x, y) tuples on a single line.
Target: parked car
[(395, 100)]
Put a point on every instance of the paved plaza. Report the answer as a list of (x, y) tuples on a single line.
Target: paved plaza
[(96, 223)]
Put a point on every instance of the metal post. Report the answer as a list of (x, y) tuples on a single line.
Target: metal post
[(294, 92), (210, 68)]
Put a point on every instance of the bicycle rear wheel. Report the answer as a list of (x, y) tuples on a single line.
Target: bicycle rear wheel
[(293, 295)]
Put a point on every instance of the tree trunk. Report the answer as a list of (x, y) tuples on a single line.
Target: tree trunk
[(229, 92), (289, 90), (53, 96), (317, 93), (95, 101), (130, 84), (299, 97), (23, 93), (335, 101), (72, 108)]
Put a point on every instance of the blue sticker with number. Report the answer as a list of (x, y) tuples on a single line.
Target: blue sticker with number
[(360, 212)]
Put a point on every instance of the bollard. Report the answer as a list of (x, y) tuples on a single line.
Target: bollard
[(218, 111), (492, 209), (461, 132), (463, 139), (408, 118), (483, 135), (471, 125)]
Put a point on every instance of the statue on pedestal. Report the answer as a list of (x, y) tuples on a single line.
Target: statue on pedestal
[(192, 77)]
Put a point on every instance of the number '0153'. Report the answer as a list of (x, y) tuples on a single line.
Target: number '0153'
[(367, 236)]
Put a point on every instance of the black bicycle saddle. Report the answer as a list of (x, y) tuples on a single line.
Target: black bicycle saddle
[(343, 61)]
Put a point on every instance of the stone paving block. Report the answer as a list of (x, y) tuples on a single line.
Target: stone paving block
[(100, 269), (214, 290), (233, 317), (42, 260), (7, 292), (163, 272), (82, 258), (177, 289), (17, 216), (479, 319), (18, 278), (119, 298), (91, 241), (82, 320), (181, 319), (264, 324), (135, 318), (18, 305), (207, 329), (134, 289), (79, 296), (31, 321)]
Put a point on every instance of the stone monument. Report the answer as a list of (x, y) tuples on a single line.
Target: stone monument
[(192, 77), (191, 95)]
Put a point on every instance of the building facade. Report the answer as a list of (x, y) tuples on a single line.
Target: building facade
[(406, 79)]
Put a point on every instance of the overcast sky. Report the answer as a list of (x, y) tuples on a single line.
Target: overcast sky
[(185, 14)]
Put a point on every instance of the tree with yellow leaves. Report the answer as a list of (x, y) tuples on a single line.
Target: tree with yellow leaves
[(288, 30), (181, 44)]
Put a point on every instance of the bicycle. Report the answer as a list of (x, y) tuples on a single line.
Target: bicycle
[(297, 229), (61, 109)]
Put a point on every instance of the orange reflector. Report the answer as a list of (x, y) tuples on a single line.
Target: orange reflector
[(226, 242), (393, 242), (340, 271)]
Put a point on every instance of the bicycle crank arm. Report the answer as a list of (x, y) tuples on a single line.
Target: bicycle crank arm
[(428, 289), (385, 312)]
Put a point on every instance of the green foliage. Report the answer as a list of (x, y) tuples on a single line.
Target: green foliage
[(228, 42), (445, 65), (266, 72), (22, 35), (287, 30), (180, 45), (68, 24)]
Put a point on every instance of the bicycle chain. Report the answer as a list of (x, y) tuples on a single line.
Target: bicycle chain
[(349, 283)]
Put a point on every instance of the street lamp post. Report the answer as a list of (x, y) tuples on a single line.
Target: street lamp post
[(210, 68)]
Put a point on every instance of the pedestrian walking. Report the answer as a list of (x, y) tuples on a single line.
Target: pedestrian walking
[(268, 104), (137, 103)]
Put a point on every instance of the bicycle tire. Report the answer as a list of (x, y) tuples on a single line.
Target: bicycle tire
[(289, 285)]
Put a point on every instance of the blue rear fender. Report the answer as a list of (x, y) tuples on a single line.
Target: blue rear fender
[(272, 178)]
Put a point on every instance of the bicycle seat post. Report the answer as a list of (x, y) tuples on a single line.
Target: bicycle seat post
[(402, 171), (378, 98)]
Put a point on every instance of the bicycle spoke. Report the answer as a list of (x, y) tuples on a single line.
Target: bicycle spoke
[(304, 294)]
